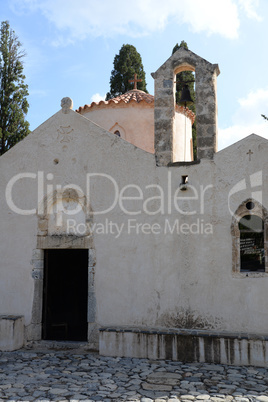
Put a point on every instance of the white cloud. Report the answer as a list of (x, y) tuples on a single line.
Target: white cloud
[(212, 17), (249, 7), (247, 119), (230, 135), (255, 103), (108, 18), (97, 97)]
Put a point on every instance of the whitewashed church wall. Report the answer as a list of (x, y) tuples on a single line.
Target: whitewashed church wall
[(186, 280), (60, 152), (147, 274)]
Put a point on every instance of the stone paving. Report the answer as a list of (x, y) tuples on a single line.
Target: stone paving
[(74, 375)]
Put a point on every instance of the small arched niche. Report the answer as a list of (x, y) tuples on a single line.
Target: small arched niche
[(65, 213), (118, 130)]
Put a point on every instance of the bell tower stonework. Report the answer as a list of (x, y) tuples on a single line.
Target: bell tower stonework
[(206, 105)]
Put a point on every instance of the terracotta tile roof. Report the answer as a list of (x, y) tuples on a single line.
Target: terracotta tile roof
[(135, 95)]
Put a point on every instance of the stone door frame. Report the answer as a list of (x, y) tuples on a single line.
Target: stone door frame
[(34, 330), (46, 241)]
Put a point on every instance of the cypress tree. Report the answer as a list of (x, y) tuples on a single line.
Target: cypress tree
[(13, 90), (126, 64)]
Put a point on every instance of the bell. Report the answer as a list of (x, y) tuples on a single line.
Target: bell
[(185, 99)]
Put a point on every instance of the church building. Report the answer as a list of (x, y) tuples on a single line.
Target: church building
[(112, 235)]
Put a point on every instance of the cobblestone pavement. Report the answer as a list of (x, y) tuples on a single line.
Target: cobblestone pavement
[(69, 375)]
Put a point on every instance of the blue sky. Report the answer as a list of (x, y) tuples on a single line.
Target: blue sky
[(71, 46)]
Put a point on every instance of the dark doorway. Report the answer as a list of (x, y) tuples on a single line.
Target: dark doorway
[(65, 295)]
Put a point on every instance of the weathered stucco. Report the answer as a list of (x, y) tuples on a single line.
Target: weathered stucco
[(159, 257), (142, 278), (184, 345), (134, 121)]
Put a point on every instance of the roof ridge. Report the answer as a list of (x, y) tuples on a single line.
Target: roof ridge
[(137, 96), (133, 95)]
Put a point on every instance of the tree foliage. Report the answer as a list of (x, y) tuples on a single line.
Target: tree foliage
[(126, 64), (265, 117), (13, 90), (186, 77)]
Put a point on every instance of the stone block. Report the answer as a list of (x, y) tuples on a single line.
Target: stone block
[(37, 273), (205, 119), (216, 348), (93, 335), (163, 128), (91, 313), (42, 224), (204, 142), (156, 387), (163, 158), (207, 153), (164, 113), (163, 147), (11, 332), (37, 300), (206, 101), (33, 332), (38, 264), (164, 101), (168, 84), (211, 131), (38, 254), (91, 257)]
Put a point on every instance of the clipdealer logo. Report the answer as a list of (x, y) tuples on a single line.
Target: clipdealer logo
[(131, 200), (133, 226), (166, 201), (251, 186), (160, 205)]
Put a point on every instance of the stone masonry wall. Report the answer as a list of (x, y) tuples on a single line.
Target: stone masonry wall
[(206, 105)]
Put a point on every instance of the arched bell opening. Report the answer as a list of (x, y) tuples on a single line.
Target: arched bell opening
[(184, 139), (166, 143)]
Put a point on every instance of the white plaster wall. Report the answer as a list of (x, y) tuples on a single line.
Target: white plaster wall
[(17, 234), (136, 120), (141, 279), (69, 158), (182, 147)]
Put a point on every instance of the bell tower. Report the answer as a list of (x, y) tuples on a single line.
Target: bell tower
[(206, 105)]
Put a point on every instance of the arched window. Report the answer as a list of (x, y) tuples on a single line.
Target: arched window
[(249, 240), (251, 244), (118, 130)]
